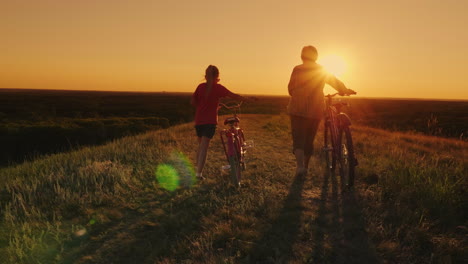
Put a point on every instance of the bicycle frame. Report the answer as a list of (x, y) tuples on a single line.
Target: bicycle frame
[(335, 118), (233, 137), (338, 143), (233, 142)]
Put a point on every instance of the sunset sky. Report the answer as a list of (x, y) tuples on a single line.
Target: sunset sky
[(398, 48)]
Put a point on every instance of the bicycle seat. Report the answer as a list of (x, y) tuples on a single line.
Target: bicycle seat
[(340, 104), (231, 120)]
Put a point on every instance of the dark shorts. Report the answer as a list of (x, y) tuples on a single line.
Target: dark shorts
[(207, 130), (303, 132)]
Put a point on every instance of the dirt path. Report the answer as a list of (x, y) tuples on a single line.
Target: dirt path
[(275, 218)]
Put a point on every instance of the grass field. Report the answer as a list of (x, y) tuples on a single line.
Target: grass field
[(34, 123), (113, 204)]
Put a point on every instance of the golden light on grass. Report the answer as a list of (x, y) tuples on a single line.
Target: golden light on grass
[(422, 179), (333, 64)]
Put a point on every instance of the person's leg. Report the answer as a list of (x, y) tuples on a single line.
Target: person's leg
[(297, 131), (306, 162), (203, 145), (198, 151), (299, 153), (199, 131), (312, 127), (205, 133)]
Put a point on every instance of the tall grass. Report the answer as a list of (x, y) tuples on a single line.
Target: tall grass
[(427, 174), (54, 207), (41, 200), (415, 191)]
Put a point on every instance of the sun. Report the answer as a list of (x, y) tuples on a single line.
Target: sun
[(333, 64)]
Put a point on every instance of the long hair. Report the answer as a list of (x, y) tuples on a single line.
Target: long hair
[(211, 74)]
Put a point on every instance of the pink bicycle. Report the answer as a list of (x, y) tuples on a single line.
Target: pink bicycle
[(234, 144)]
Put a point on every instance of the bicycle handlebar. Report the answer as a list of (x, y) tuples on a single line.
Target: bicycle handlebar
[(335, 94), (231, 106)]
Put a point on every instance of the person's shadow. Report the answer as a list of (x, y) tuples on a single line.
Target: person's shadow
[(341, 236), (276, 244)]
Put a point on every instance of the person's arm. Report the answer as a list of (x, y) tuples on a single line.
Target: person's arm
[(338, 85), (292, 82), (193, 100), (227, 93), (239, 97)]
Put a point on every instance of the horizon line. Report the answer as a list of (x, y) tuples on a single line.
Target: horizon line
[(180, 92)]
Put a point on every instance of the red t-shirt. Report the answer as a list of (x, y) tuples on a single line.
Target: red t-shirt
[(207, 105)]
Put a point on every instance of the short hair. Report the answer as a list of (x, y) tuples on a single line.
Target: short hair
[(309, 53)]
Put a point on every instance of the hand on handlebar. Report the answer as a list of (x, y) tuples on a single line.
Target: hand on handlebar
[(347, 92), (230, 105)]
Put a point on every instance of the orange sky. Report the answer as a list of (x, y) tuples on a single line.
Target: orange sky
[(399, 48)]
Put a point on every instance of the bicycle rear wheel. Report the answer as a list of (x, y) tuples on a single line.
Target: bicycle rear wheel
[(347, 158), (328, 149), (236, 169)]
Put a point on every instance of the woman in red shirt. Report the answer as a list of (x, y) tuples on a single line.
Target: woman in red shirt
[(206, 100)]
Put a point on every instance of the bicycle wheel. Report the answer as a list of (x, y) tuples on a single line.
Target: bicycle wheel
[(236, 169), (347, 158), (242, 149), (328, 150)]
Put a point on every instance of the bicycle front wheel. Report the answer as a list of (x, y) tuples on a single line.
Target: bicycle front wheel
[(347, 158), (328, 149)]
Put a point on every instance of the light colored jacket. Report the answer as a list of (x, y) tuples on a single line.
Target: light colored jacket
[(306, 90)]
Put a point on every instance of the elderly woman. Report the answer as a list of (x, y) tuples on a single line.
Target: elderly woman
[(306, 104)]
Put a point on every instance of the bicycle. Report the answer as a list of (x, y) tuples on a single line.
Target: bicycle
[(234, 144), (338, 143)]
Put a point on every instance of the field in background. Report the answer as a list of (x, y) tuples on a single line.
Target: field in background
[(447, 119), (109, 204), (37, 122)]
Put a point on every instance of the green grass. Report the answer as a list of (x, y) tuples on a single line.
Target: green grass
[(136, 200), (427, 172), (418, 183)]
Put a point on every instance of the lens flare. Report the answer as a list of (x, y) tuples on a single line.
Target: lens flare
[(167, 177), (177, 171), (185, 169)]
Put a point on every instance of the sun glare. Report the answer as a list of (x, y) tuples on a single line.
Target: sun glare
[(333, 64)]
